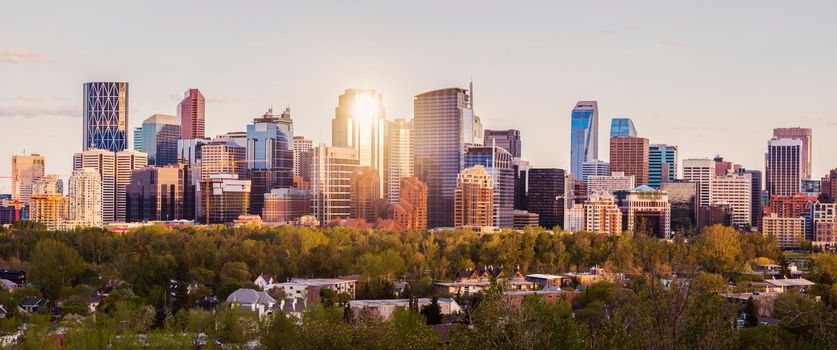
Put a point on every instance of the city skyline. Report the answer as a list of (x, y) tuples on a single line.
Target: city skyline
[(534, 98)]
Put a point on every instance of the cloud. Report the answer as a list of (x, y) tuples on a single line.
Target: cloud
[(703, 128), (672, 44), (23, 56), (33, 111), (630, 25), (221, 100)]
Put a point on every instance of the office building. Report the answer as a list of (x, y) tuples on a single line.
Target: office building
[(630, 156), (189, 151), (602, 215), (508, 140), (126, 162), (160, 193), (575, 219), (160, 134), (49, 184), (714, 215), (648, 211), (270, 155), (789, 206), (221, 157), (584, 135), (756, 206), (803, 135), (701, 172), (301, 146), (137, 141), (521, 183), (359, 123), (622, 127), (331, 182), (411, 210), (105, 115), (662, 164), (191, 113), (594, 168), (473, 198), (783, 167), (610, 184), (788, 231), (821, 224), (443, 124), (104, 162), (547, 195), (85, 199), (222, 199), (683, 198), (399, 156), (282, 205), (828, 184), (48, 209), (733, 191), (523, 219), (498, 162), (25, 170), (723, 167), (365, 194)]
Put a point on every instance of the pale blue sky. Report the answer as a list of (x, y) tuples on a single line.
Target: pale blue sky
[(713, 77)]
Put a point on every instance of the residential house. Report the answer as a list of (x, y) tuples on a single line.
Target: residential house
[(253, 300), (386, 307)]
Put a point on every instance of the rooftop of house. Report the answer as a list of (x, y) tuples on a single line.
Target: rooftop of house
[(250, 296), (318, 281), (790, 282)]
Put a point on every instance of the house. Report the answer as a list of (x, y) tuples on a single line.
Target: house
[(253, 300), (264, 280), (386, 307), (7, 285), (16, 276), (788, 284), (308, 289), (545, 280), (551, 295), (472, 281), (33, 305)]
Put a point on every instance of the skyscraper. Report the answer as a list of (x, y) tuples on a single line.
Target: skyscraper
[(547, 196), (783, 163), (301, 145), (49, 184), (682, 195), (804, 135), (509, 140), (700, 171), (191, 112), (411, 210), (755, 195), (221, 157), (85, 199), (584, 134), (160, 134), (649, 211), (359, 123), (602, 215), (270, 155), (365, 194), (473, 198), (26, 169), (521, 183), (105, 116), (630, 156), (442, 127), (399, 157), (498, 162), (126, 162), (331, 178), (226, 198), (286, 204), (622, 127), (138, 138), (104, 162), (159, 193), (734, 191), (594, 168), (662, 164)]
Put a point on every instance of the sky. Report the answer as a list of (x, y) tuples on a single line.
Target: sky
[(712, 77)]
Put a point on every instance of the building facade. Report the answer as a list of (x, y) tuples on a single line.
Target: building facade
[(610, 184), (630, 156), (159, 193), (48, 209), (85, 199), (508, 140), (104, 162), (126, 162), (733, 191), (684, 203), (788, 231), (160, 134), (331, 182), (821, 224), (192, 114), (359, 123), (365, 194), (701, 172), (26, 169), (222, 199), (594, 168), (270, 155), (399, 157), (286, 205), (622, 127), (498, 162), (803, 135), (649, 211), (602, 215), (584, 134), (662, 164), (411, 210), (301, 147), (547, 196), (105, 116), (783, 167), (474, 198)]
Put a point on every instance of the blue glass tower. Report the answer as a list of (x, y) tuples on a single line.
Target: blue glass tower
[(622, 127), (159, 139), (662, 164), (270, 155), (584, 131), (105, 116)]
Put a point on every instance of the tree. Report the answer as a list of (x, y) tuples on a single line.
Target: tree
[(53, 265), (280, 333), (719, 249), (752, 313), (433, 312)]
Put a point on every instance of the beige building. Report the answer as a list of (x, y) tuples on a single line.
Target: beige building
[(602, 215), (473, 198), (734, 191), (25, 170), (648, 210), (331, 182), (48, 209), (789, 232), (85, 199), (616, 181), (399, 157), (700, 171)]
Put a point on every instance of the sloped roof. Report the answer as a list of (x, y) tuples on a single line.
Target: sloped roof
[(250, 296)]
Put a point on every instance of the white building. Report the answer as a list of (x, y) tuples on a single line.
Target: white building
[(301, 288), (301, 145), (595, 168), (386, 307), (574, 221), (85, 199), (399, 157), (617, 181), (700, 171), (331, 176), (735, 191), (252, 300)]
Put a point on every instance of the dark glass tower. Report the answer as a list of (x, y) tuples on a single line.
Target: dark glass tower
[(547, 196)]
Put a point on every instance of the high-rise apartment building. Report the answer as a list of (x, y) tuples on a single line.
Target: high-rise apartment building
[(191, 112), (701, 172), (584, 134), (602, 215), (160, 134), (594, 168), (411, 210), (270, 155), (630, 156), (648, 210), (48, 209), (222, 199), (610, 184), (443, 125), (301, 146), (622, 127), (804, 135), (733, 191), (221, 157), (473, 198), (331, 182), (783, 166), (49, 184), (662, 164), (26, 169), (85, 199), (821, 223), (104, 162), (359, 123), (105, 116), (789, 206), (509, 140), (547, 196), (365, 194), (126, 162), (788, 231), (159, 193), (399, 157), (498, 162)]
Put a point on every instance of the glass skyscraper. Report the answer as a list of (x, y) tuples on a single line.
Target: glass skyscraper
[(443, 125), (584, 139), (160, 133), (662, 164), (359, 123), (105, 116), (622, 127), (270, 155)]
